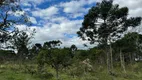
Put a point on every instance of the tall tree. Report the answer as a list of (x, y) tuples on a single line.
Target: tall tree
[(106, 22)]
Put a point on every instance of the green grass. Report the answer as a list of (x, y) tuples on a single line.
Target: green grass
[(13, 71), (14, 75)]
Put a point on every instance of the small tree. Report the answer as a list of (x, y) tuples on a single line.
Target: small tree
[(56, 57), (73, 49)]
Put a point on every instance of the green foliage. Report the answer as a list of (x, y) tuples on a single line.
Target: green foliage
[(97, 55), (56, 57), (7, 55), (81, 55), (130, 43), (74, 72), (52, 44)]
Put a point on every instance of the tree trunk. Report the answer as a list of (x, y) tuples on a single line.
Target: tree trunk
[(111, 58), (57, 72), (108, 62), (122, 62), (131, 61)]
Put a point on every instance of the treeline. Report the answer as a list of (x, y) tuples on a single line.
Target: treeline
[(125, 51)]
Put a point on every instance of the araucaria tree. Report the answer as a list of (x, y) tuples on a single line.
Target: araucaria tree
[(20, 41), (106, 22)]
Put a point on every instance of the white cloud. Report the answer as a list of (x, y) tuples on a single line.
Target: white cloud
[(27, 2), (132, 4), (33, 20), (44, 13), (56, 31), (76, 7), (21, 27), (78, 42), (72, 7), (16, 13), (135, 7), (53, 31), (59, 19)]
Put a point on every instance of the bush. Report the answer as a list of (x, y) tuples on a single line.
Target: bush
[(45, 75)]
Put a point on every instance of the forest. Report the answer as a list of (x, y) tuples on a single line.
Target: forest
[(116, 55)]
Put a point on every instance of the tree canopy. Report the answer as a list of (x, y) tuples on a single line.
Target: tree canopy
[(106, 21), (11, 14)]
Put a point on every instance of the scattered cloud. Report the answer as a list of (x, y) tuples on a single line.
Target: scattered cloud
[(62, 20), (54, 31)]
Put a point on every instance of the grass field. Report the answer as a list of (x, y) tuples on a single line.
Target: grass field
[(13, 71)]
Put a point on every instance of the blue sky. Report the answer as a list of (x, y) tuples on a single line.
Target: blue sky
[(45, 10), (61, 19)]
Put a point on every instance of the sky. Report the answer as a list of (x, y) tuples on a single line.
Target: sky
[(61, 19)]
